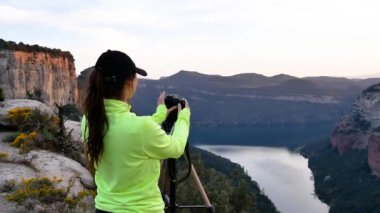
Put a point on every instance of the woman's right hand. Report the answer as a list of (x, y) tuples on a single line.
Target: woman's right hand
[(187, 106)]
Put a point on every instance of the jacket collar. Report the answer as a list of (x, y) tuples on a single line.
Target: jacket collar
[(113, 105)]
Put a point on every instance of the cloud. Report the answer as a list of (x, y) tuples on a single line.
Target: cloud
[(299, 37)]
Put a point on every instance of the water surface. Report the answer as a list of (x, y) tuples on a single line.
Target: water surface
[(283, 175)]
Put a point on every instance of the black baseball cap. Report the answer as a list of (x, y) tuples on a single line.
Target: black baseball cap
[(118, 64)]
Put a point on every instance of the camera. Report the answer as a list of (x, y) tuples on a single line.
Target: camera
[(170, 101)]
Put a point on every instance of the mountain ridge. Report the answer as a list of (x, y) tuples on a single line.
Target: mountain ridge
[(280, 106)]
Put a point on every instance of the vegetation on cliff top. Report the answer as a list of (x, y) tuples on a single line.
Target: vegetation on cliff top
[(372, 89), (344, 182), (11, 45)]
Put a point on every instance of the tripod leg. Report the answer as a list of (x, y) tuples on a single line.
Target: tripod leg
[(164, 180), (164, 183), (200, 187)]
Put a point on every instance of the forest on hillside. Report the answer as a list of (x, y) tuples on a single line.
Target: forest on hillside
[(344, 181)]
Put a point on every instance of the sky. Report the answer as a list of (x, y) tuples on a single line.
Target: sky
[(225, 37)]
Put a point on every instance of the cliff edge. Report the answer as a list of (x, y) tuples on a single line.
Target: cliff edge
[(29, 68)]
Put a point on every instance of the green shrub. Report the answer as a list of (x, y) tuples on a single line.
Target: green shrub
[(4, 155), (77, 200), (28, 120), (38, 130), (41, 189), (71, 112), (32, 191)]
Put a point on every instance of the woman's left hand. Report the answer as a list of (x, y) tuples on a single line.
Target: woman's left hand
[(161, 98)]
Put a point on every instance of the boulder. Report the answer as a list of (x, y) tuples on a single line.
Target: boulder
[(52, 164), (14, 171), (74, 128), (41, 163)]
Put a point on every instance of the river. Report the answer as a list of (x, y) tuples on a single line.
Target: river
[(283, 175)]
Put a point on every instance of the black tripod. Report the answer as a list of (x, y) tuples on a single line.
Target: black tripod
[(169, 169)]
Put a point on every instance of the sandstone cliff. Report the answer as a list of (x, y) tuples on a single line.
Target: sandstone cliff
[(360, 128), (25, 68)]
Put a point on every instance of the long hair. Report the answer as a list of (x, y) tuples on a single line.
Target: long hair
[(100, 86)]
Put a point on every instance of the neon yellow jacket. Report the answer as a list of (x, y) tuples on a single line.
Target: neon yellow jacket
[(127, 175)]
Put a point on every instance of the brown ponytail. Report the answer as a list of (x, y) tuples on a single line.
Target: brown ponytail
[(97, 122)]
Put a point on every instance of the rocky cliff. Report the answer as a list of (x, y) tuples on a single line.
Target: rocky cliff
[(25, 69), (360, 128)]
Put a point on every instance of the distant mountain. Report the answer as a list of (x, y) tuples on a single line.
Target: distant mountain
[(253, 109)]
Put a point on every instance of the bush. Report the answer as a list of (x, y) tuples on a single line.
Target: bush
[(28, 120), (41, 189), (1, 95), (3, 155), (38, 130), (32, 191), (25, 142), (71, 112)]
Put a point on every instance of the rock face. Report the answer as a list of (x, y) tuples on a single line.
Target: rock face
[(353, 130), (360, 128), (27, 71), (83, 84)]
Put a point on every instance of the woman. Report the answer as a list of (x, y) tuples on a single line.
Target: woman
[(124, 150)]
